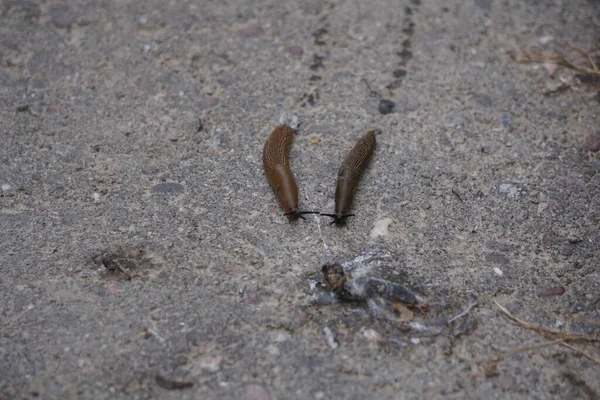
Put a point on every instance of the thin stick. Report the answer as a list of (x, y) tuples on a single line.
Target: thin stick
[(463, 313), (127, 274), (536, 346), (547, 331), (585, 54), (583, 353), (540, 58)]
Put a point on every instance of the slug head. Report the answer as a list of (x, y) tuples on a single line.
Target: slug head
[(338, 218), (296, 213)]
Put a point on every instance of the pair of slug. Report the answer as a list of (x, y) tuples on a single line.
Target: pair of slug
[(280, 177)]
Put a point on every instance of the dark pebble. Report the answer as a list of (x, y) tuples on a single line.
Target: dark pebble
[(295, 51), (251, 31), (507, 120), (405, 55), (315, 78), (497, 258), (386, 106), (22, 107), (482, 99), (61, 16), (485, 5), (593, 143), (172, 384), (168, 188), (399, 73), (553, 291), (548, 238)]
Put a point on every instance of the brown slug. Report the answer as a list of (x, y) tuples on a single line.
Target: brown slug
[(348, 176), (278, 172)]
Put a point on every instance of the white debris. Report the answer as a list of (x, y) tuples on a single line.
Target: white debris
[(6, 187), (330, 338), (511, 191), (371, 335), (415, 340), (96, 197), (498, 271), (381, 228), (558, 324)]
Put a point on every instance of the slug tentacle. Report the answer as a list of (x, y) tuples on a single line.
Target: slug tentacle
[(348, 176), (279, 174)]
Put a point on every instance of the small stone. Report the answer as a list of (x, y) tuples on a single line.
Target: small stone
[(22, 107), (553, 291), (498, 271), (506, 382), (256, 392), (593, 143), (251, 31), (485, 5), (399, 73), (168, 188), (497, 258), (405, 55), (482, 99), (386, 106), (330, 338), (295, 51), (371, 335), (61, 16), (6, 188), (96, 197), (208, 102)]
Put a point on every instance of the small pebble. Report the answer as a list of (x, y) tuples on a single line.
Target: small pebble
[(168, 188), (553, 291), (295, 51), (498, 271), (22, 107), (386, 106), (371, 335), (251, 31), (593, 143), (415, 340), (330, 338), (256, 392), (314, 141), (96, 197), (6, 187)]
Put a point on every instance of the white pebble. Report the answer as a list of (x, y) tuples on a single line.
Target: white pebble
[(415, 340), (371, 335), (498, 271), (96, 197), (330, 338), (6, 187)]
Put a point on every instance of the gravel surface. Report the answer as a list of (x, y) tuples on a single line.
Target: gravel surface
[(144, 256)]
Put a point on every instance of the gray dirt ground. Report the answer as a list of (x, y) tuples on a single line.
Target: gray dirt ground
[(101, 145)]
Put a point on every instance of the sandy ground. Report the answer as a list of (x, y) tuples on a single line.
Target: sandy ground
[(132, 135)]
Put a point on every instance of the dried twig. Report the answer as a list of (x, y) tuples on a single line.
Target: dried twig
[(541, 58), (583, 353), (550, 333)]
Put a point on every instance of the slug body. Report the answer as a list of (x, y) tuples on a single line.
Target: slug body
[(348, 176), (279, 174)]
